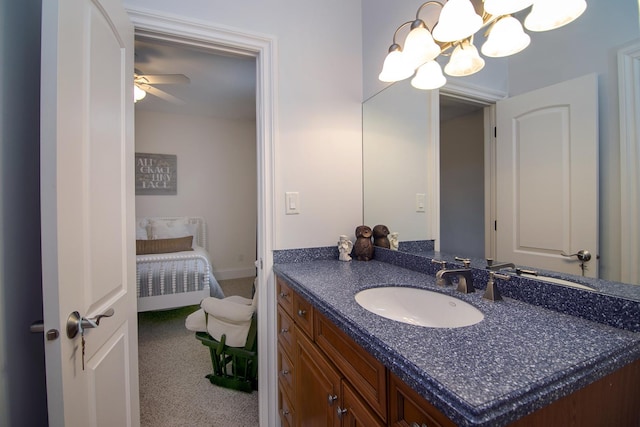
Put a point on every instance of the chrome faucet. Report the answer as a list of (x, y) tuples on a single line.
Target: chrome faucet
[(443, 266), (500, 266), (465, 279), (492, 293)]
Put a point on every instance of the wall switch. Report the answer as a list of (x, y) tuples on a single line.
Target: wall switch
[(292, 201), (421, 201)]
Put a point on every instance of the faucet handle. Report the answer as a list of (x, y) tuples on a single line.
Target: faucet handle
[(465, 261), (492, 293), (443, 264)]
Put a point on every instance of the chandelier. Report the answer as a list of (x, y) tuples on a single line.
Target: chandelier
[(452, 35)]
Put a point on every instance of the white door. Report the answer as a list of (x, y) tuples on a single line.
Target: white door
[(547, 177), (88, 211)]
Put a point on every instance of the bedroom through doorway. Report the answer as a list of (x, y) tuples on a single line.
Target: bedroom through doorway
[(205, 116)]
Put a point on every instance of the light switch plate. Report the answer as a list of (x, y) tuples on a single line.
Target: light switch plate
[(421, 201), (292, 203)]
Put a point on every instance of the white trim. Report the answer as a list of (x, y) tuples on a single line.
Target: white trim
[(469, 92), (433, 170), (629, 94), (490, 181), (263, 48)]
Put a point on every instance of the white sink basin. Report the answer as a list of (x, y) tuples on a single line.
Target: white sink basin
[(419, 307)]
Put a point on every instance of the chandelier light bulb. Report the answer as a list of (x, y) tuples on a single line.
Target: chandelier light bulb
[(419, 46), (506, 38), (551, 14), (458, 20), (138, 94), (395, 66), (429, 76), (464, 61), (505, 7)]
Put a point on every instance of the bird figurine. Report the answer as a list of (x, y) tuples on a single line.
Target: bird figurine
[(380, 233), (363, 248)]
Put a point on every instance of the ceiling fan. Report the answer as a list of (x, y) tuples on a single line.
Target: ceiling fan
[(145, 83)]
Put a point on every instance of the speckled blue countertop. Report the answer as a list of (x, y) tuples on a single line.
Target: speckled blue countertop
[(520, 358)]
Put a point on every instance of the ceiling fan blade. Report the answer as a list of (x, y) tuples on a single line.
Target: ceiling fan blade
[(161, 94), (164, 79)]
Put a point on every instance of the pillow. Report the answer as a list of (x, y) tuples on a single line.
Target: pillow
[(168, 228), (163, 246), (141, 229)]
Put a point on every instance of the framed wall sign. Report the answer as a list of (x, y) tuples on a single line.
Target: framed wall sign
[(156, 174)]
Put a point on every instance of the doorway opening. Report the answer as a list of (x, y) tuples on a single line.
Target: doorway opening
[(199, 106)]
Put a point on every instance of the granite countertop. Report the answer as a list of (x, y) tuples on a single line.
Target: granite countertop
[(520, 358)]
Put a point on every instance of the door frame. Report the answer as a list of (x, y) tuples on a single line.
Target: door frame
[(264, 49), (628, 89), (485, 97)]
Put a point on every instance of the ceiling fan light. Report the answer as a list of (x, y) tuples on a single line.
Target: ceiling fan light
[(138, 94), (505, 7), (429, 76), (419, 46), (395, 67), (506, 38), (464, 61), (458, 20), (551, 14)]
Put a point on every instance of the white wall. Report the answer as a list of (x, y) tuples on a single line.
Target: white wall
[(462, 185), (216, 180), (318, 106), (588, 45), (22, 374)]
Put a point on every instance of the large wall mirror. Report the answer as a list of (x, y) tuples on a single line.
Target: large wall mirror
[(398, 148)]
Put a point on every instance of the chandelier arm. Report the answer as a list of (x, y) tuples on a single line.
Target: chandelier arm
[(422, 7), (398, 29)]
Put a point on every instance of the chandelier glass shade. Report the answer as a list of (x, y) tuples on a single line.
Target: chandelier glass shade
[(452, 35), (138, 94)]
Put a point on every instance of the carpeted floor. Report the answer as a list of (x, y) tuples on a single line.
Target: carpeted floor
[(173, 363)]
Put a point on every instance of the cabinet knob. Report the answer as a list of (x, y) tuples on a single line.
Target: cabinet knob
[(332, 398), (284, 330), (284, 372), (302, 312), (285, 412), (341, 412), (283, 294)]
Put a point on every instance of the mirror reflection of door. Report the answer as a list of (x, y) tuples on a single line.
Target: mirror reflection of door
[(547, 177)]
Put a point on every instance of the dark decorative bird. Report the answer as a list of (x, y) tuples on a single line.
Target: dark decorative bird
[(380, 233), (363, 248)]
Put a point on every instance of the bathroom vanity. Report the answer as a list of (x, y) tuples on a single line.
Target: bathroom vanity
[(339, 364)]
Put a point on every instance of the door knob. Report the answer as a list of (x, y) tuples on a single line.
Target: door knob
[(77, 323)]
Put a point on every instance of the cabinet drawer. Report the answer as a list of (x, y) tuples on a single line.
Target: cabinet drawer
[(285, 331), (285, 371), (407, 407), (355, 412), (362, 370), (284, 295), (287, 414), (303, 313)]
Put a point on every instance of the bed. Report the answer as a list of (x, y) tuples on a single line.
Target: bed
[(173, 266)]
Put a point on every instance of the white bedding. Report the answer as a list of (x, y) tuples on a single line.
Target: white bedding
[(175, 279)]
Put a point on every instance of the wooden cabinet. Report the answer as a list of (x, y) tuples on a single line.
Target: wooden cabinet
[(325, 379), (320, 369)]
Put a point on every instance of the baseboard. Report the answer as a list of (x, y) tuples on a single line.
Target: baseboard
[(238, 273)]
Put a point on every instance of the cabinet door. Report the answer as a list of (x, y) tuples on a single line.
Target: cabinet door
[(317, 386), (354, 412), (407, 407)]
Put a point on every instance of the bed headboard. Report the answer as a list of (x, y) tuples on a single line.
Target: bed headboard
[(201, 226)]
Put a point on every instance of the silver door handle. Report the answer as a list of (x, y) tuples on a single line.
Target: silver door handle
[(77, 323), (583, 255), (38, 327)]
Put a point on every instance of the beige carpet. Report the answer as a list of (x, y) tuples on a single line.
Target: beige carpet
[(173, 363)]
